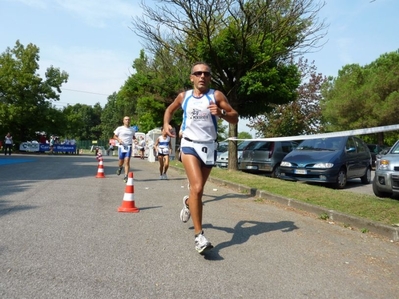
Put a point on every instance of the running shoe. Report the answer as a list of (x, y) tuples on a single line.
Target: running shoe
[(185, 212), (125, 179), (118, 172), (201, 243), (161, 177), (165, 177)]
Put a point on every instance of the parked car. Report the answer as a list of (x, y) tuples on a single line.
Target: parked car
[(381, 154), (265, 156), (223, 146), (376, 149), (386, 177), (223, 160), (384, 152), (331, 160)]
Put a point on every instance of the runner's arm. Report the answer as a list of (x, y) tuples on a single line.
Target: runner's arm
[(222, 103), (176, 104), (116, 137)]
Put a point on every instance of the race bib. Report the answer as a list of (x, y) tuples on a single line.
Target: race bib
[(206, 151), (124, 148), (165, 151)]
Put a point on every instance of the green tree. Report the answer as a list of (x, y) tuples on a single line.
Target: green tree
[(111, 117), (82, 122), (298, 117), (244, 135), (148, 91), (25, 98), (247, 43), (363, 96)]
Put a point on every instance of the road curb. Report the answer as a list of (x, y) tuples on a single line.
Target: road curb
[(356, 222)]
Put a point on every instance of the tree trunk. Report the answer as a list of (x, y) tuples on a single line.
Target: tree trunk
[(233, 161)]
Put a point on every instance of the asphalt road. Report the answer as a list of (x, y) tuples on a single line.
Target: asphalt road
[(62, 237)]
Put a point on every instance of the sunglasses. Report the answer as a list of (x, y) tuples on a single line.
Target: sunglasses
[(199, 74)]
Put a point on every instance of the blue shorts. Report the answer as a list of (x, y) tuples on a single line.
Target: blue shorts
[(124, 155), (191, 151)]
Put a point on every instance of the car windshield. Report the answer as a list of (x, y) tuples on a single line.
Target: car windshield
[(243, 145), (373, 148), (395, 149), (320, 144), (222, 147), (259, 146)]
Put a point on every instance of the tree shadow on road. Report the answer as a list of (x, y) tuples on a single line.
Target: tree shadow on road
[(7, 207), (241, 233)]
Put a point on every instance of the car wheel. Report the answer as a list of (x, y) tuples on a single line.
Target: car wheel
[(366, 179), (341, 179), (276, 171), (377, 192)]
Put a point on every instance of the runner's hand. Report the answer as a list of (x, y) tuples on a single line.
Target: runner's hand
[(169, 130), (214, 109)]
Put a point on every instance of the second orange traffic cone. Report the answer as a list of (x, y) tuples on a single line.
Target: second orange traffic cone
[(128, 204), (100, 171)]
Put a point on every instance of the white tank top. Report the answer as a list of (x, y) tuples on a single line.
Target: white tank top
[(198, 122), (163, 142)]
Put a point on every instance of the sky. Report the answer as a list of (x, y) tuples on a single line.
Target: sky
[(92, 41)]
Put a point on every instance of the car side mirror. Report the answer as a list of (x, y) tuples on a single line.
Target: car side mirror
[(350, 150)]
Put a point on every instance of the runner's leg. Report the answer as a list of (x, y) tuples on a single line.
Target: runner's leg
[(197, 177), (165, 164), (160, 160)]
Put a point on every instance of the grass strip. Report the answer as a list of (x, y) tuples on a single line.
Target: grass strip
[(382, 210)]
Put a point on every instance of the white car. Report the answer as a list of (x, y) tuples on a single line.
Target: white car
[(222, 160)]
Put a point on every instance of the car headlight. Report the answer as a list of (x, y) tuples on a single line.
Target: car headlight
[(286, 164), (383, 164), (323, 165)]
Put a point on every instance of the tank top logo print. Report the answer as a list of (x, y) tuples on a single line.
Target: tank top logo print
[(197, 114)]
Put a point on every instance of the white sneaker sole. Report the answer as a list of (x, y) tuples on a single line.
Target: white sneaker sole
[(185, 211), (182, 215), (205, 249)]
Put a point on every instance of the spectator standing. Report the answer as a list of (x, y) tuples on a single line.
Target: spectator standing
[(142, 146), (8, 144), (201, 108), (52, 143), (125, 136)]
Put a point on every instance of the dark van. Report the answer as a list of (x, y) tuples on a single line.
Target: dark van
[(265, 156), (331, 160)]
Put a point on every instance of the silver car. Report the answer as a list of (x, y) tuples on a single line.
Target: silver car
[(386, 178), (222, 160)]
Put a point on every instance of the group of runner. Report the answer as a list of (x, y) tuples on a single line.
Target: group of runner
[(125, 135)]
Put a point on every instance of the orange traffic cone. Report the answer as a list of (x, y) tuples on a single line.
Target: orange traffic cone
[(100, 171), (128, 198)]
